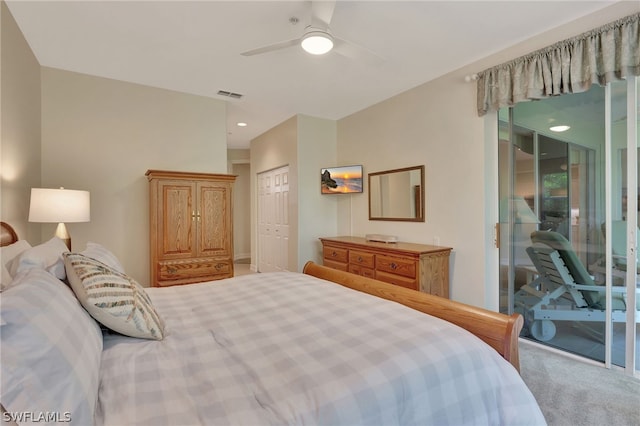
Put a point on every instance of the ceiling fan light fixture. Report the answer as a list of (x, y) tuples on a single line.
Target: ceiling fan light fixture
[(317, 42)]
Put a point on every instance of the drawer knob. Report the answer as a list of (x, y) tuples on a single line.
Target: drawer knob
[(393, 266), (171, 270), (334, 254), (359, 258), (219, 266)]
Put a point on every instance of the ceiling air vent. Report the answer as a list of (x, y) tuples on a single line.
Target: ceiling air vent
[(229, 94)]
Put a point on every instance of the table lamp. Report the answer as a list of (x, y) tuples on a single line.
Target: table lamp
[(59, 206)]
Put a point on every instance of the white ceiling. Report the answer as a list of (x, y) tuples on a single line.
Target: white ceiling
[(195, 46)]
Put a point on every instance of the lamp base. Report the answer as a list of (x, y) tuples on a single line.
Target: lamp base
[(61, 232)]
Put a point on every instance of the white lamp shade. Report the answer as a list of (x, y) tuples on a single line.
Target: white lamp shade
[(59, 205)]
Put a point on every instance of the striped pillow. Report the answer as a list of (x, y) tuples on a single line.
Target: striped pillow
[(112, 298), (104, 255)]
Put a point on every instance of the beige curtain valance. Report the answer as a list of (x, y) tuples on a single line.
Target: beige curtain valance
[(606, 54)]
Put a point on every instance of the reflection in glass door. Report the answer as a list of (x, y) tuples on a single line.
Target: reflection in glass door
[(566, 201)]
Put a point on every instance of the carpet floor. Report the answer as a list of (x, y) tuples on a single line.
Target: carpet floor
[(571, 392)]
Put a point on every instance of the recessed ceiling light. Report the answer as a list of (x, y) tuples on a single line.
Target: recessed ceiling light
[(562, 128), (241, 124)]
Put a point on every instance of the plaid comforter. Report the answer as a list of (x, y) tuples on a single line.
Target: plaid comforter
[(287, 348)]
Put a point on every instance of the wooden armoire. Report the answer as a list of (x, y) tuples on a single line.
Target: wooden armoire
[(191, 229)]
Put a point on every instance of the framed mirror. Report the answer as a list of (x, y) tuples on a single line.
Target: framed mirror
[(397, 195)]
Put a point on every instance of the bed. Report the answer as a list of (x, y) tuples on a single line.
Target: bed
[(272, 348)]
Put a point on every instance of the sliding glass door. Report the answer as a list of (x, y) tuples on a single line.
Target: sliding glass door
[(568, 183), (624, 183)]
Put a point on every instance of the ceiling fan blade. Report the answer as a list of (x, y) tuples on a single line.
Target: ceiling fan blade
[(271, 47), (322, 13), (354, 51)]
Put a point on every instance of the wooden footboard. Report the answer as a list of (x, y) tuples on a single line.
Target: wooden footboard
[(498, 330)]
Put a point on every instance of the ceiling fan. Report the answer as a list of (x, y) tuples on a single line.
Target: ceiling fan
[(317, 38)]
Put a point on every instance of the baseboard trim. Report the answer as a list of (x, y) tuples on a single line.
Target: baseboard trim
[(242, 258)]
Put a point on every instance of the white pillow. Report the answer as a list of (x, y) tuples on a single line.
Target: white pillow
[(7, 254), (47, 256), (114, 299), (51, 349), (102, 254)]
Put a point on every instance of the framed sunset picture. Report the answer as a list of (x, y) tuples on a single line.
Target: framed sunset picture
[(341, 180)]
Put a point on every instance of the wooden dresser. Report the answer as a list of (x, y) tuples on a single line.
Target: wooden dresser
[(190, 217), (416, 266)]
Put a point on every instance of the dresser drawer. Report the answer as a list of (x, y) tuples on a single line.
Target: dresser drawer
[(193, 268), (397, 280), (397, 266), (335, 254), (360, 270), (335, 265), (362, 258)]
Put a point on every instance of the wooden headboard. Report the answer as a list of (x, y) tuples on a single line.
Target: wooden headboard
[(8, 235)]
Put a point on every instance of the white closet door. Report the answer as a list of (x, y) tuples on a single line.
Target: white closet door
[(273, 220)]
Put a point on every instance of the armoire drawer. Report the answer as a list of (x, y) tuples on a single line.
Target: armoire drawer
[(182, 269)]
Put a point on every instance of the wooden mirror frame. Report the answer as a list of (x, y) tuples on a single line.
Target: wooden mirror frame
[(418, 194)]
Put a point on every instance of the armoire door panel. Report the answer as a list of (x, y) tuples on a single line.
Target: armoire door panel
[(214, 218), (176, 217)]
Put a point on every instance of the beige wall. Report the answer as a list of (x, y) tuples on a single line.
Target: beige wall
[(19, 127), (305, 144), (432, 125), (238, 156), (242, 211), (436, 124), (276, 148), (239, 164), (317, 213), (102, 135)]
